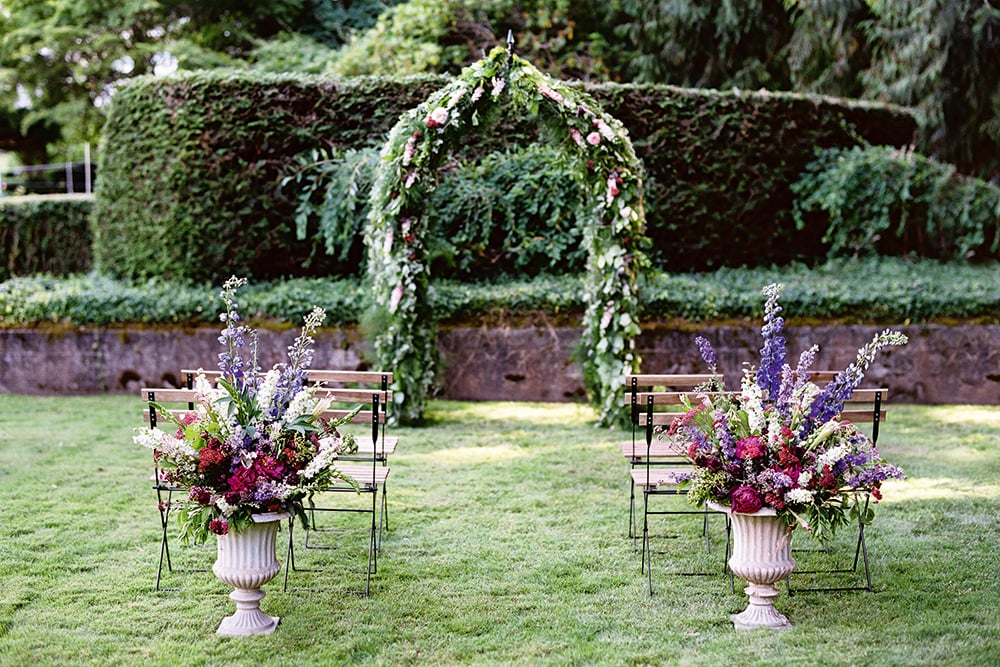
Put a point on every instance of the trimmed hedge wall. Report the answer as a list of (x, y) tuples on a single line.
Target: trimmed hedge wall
[(191, 166), (45, 235), (894, 291)]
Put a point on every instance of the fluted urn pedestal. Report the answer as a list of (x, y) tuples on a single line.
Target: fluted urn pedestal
[(246, 561), (762, 555)]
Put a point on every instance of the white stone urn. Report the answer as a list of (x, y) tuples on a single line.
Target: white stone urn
[(246, 561), (762, 554)]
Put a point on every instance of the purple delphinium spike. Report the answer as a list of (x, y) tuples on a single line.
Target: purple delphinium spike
[(231, 362), (806, 360), (726, 443), (830, 401), (783, 404), (707, 353), (772, 355), (292, 376)]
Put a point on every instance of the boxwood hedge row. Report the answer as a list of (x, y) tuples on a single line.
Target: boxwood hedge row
[(873, 290), (45, 235)]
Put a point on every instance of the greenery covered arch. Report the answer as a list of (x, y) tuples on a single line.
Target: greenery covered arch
[(598, 148)]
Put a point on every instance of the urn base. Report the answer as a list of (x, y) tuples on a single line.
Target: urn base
[(248, 619)]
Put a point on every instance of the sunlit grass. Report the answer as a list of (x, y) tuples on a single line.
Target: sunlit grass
[(929, 488), (507, 546)]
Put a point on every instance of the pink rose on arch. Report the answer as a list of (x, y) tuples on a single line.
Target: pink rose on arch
[(438, 117), (551, 94), (395, 298), (593, 138), (613, 190), (745, 500)]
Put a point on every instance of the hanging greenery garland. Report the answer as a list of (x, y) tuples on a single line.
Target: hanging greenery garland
[(596, 145)]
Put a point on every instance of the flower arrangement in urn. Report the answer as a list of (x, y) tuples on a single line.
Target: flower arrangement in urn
[(257, 442), (780, 442)]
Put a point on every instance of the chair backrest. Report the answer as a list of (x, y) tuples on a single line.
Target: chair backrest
[(158, 399), (344, 389), (658, 399), (867, 405)]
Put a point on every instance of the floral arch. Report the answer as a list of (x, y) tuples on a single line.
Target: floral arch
[(596, 144)]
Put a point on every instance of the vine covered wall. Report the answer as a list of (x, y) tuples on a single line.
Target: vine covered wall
[(192, 167)]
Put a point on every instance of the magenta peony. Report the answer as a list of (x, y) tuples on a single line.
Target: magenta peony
[(745, 499)]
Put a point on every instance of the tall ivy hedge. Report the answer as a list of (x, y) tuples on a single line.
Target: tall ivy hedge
[(45, 235), (191, 167)]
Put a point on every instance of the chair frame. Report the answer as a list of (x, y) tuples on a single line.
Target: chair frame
[(165, 492), (636, 453), (369, 480), (875, 415), (654, 475)]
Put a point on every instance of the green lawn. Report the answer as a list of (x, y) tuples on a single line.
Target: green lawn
[(508, 546)]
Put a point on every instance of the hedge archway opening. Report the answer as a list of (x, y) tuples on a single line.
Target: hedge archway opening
[(596, 145)]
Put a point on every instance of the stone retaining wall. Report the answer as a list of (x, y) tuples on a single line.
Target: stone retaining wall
[(942, 364)]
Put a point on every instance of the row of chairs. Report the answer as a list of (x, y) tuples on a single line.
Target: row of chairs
[(320, 552), (656, 467)]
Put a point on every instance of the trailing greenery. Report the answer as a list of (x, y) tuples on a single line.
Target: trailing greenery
[(517, 213), (332, 189), (872, 290), (505, 213), (192, 166), (45, 235), (508, 546), (879, 200)]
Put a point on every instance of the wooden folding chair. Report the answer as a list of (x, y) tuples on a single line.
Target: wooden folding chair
[(657, 467), (367, 467), (667, 391), (178, 402), (865, 406)]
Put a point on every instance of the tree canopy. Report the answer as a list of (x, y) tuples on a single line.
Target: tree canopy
[(61, 60)]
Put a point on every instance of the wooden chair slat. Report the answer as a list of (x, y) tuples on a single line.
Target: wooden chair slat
[(343, 395), (668, 380), (364, 473), (657, 477), (659, 449)]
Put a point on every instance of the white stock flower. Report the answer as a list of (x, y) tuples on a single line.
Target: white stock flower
[(753, 403), (224, 507), (328, 450), (830, 457), (203, 388), (168, 445), (798, 496), (301, 404), (268, 388)]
